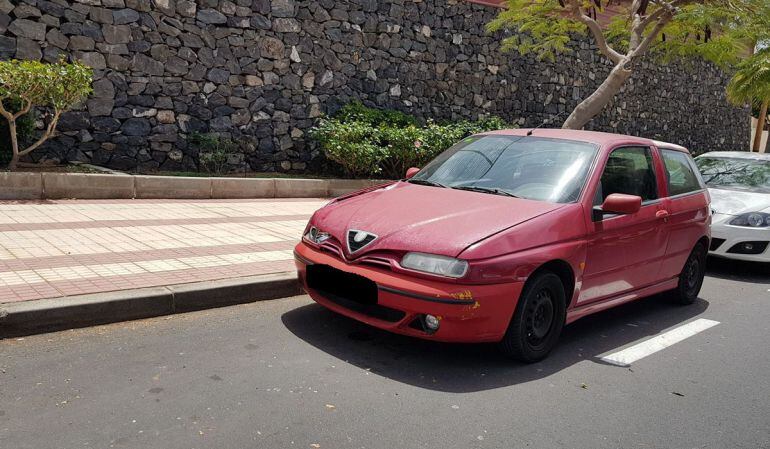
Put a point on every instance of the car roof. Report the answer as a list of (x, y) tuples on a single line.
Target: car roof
[(738, 155), (597, 137), (670, 146)]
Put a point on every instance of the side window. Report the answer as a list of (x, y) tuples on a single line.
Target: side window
[(679, 173), (629, 170)]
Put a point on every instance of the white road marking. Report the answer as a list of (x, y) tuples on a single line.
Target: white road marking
[(641, 350)]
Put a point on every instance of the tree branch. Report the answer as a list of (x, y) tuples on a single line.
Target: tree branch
[(4, 112), (645, 44), (23, 110), (652, 17), (595, 29), (48, 133)]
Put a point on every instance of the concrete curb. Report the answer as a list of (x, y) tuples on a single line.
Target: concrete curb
[(26, 186), (48, 315)]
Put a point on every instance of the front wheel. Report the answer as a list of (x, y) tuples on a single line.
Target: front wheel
[(691, 278), (538, 320)]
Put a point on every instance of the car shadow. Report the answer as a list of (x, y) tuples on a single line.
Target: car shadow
[(461, 368), (738, 270)]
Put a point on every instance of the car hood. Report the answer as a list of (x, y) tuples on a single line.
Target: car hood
[(734, 202), (410, 217)]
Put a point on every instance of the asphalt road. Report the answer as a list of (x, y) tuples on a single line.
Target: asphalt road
[(289, 374)]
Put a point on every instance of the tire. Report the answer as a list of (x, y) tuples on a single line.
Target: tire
[(691, 277), (538, 319)]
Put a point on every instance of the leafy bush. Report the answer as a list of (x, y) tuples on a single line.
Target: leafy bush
[(28, 84), (359, 113), (372, 142), (213, 152)]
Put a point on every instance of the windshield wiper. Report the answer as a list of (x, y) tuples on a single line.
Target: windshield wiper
[(424, 182), (486, 190)]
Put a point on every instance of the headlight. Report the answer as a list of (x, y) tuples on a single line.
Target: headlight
[(316, 236), (431, 263), (752, 219)]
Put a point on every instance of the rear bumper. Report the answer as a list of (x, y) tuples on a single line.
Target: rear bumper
[(468, 313)]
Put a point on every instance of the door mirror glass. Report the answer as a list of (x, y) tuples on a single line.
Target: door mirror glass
[(411, 172)]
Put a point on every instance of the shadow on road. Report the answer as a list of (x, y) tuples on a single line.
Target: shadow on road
[(737, 270), (466, 368)]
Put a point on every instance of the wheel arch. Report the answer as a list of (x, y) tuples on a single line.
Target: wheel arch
[(564, 271), (705, 241)]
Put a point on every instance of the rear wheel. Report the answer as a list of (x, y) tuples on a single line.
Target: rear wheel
[(538, 320), (691, 278)]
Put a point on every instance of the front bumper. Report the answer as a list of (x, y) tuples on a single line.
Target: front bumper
[(468, 313), (725, 236)]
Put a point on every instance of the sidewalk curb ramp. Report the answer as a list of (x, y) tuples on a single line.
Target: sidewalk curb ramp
[(46, 315)]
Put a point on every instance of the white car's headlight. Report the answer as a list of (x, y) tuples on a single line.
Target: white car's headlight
[(752, 220), (316, 236), (434, 264)]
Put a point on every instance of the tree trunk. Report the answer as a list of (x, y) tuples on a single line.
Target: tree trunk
[(593, 105), (760, 126), (14, 145)]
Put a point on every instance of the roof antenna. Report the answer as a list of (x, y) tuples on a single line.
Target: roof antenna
[(547, 121)]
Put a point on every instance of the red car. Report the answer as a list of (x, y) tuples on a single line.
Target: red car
[(510, 235)]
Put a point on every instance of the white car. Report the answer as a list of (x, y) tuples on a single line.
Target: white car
[(739, 184)]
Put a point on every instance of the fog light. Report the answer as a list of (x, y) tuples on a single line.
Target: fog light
[(432, 323)]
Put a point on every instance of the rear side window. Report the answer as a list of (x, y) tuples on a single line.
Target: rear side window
[(680, 174), (629, 170)]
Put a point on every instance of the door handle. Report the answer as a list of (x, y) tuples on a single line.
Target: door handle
[(662, 214)]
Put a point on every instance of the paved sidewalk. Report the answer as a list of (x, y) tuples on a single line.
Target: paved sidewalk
[(63, 248)]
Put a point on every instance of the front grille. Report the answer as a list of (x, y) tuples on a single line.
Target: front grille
[(748, 248), (355, 242), (332, 248), (350, 291), (381, 261), (716, 243)]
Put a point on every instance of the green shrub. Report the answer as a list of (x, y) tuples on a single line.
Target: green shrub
[(372, 142), (359, 113), (25, 85), (213, 151)]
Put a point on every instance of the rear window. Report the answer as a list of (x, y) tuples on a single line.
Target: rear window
[(680, 173)]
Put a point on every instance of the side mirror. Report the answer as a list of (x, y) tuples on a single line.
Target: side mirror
[(411, 172), (618, 203)]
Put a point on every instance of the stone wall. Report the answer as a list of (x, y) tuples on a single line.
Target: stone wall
[(263, 71)]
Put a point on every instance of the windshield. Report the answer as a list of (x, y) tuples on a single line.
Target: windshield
[(735, 173), (552, 170)]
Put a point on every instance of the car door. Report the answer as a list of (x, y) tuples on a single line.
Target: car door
[(624, 251), (687, 204)]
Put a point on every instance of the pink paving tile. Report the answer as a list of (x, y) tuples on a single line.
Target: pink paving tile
[(160, 222), (159, 201), (85, 232), (136, 256)]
